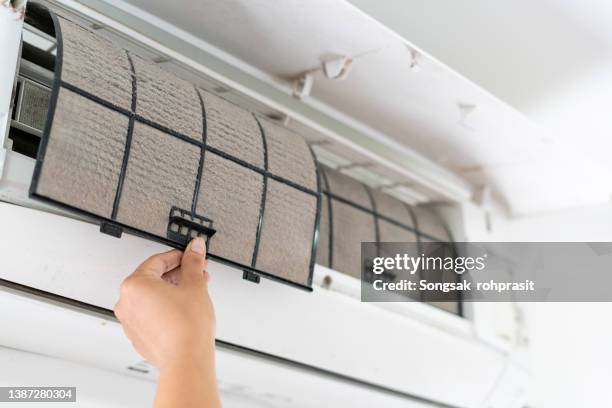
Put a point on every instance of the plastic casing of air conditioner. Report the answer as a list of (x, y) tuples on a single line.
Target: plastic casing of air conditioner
[(60, 278)]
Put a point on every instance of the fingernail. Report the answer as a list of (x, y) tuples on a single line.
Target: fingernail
[(197, 245)]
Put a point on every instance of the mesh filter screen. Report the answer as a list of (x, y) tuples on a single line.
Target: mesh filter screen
[(161, 172), (351, 227), (393, 208), (390, 232), (430, 225), (323, 250), (146, 151), (32, 105), (289, 156), (290, 216), (93, 64), (237, 215), (232, 129), (353, 213), (437, 299), (167, 100), (347, 188), (82, 168)]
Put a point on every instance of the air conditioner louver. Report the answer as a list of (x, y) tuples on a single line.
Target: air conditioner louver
[(143, 150)]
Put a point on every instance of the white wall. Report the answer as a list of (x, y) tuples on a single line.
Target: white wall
[(582, 224), (570, 353)]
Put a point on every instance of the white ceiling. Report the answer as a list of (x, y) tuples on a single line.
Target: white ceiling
[(526, 53), (550, 59)]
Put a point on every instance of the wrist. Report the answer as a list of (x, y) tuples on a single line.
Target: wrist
[(192, 358), (188, 379)]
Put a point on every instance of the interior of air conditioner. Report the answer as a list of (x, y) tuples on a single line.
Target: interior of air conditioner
[(355, 185), (32, 94), (32, 91)]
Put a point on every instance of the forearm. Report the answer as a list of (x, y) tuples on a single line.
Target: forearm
[(188, 382), (172, 325)]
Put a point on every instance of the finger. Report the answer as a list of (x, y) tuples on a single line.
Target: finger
[(206, 273), (206, 277), (173, 276), (159, 264), (118, 310), (192, 264)]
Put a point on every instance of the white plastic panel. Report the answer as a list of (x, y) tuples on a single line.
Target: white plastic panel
[(69, 356), (333, 332), (96, 387)]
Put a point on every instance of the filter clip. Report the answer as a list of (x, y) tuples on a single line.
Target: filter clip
[(184, 225), (110, 228), (250, 276)]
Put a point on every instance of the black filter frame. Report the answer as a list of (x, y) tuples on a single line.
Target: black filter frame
[(110, 225)]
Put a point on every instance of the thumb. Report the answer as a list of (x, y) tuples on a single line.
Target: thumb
[(193, 262)]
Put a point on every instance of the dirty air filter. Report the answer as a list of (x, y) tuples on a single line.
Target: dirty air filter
[(433, 229), (352, 213), (145, 151)]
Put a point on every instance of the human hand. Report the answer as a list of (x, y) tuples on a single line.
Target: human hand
[(165, 308)]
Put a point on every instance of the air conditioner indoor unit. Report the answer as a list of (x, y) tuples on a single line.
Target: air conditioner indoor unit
[(106, 133)]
